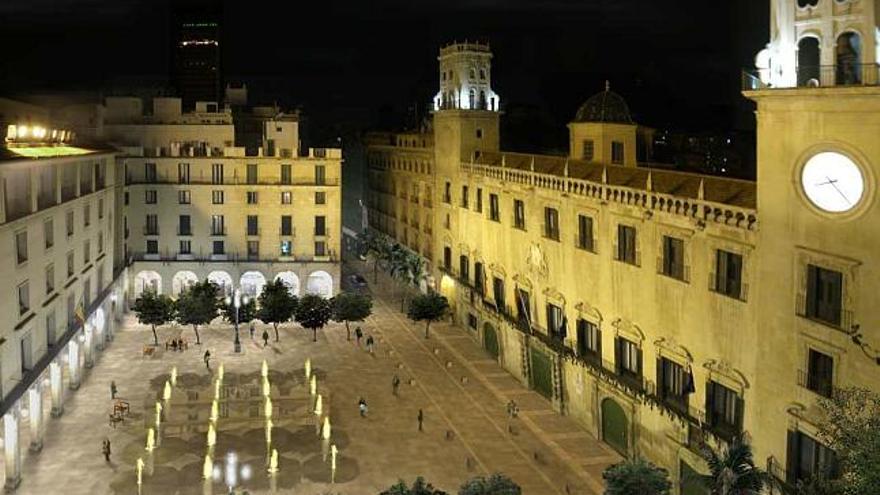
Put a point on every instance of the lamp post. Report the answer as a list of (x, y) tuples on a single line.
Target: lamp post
[(236, 301)]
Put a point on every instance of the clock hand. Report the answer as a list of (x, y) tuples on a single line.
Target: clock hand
[(840, 192)]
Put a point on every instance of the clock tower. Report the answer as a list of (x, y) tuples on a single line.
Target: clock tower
[(818, 158)]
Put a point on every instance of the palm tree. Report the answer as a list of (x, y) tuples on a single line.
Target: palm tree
[(732, 470)]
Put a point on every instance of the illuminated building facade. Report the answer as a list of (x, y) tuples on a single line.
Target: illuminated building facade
[(663, 310), (197, 56)]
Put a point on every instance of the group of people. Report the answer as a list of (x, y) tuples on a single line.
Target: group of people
[(359, 334), (176, 344)]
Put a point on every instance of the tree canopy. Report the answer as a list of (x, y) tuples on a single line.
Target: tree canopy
[(197, 305), (496, 484), (351, 306), (851, 428), (247, 312), (313, 312), (428, 308), (277, 304), (732, 469), (153, 309), (636, 476), (419, 487)]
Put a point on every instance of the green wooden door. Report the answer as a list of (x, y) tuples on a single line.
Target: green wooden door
[(490, 340), (614, 426), (541, 376), (691, 482)]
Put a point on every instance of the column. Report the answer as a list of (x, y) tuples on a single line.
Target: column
[(35, 416), (73, 363), (11, 448), (89, 344), (55, 384)]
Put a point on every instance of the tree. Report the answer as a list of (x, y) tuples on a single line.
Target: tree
[(851, 428), (427, 307), (636, 476), (246, 312), (732, 470), (496, 484), (197, 305), (153, 309), (419, 487), (379, 247), (351, 306), (313, 312), (277, 304)]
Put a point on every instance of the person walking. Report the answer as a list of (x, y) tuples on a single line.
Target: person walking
[(421, 419), (395, 384), (370, 344), (362, 407), (265, 337), (358, 333), (105, 448), (207, 358), (113, 389)]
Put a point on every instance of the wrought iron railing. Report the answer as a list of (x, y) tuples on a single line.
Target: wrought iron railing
[(815, 76)]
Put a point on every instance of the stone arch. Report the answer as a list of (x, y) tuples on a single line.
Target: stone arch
[(320, 283), (181, 281), (252, 283), (291, 280), (147, 279), (848, 58), (809, 59), (223, 280), (615, 431)]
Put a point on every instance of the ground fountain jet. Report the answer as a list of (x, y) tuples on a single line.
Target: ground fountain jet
[(174, 376), (313, 385), (166, 393), (151, 439), (308, 367), (273, 462), (139, 469)]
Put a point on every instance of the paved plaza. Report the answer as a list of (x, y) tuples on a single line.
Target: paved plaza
[(461, 390)]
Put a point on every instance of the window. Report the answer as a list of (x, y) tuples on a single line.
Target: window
[(87, 292), (498, 293), (479, 278), (494, 212), (464, 196), (253, 249), (320, 197), (184, 225), (617, 152), (150, 197), (183, 197), (216, 173), (588, 150), (286, 177), (183, 173), (149, 172), (49, 233), (152, 246), (320, 248), (824, 297), (251, 173), (482, 74), (519, 214), (286, 197), (724, 410), (27, 355), (21, 247), (87, 252), (626, 244), (100, 242), (628, 359), (479, 133), (151, 225), (50, 278), (820, 373), (24, 299), (51, 339), (672, 263), (100, 208), (447, 258), (125, 198), (218, 225), (551, 223), (585, 233), (185, 247), (252, 197), (479, 207), (320, 175), (87, 215), (217, 197), (320, 227), (728, 274), (807, 458), (286, 248), (556, 322), (252, 226), (447, 193), (219, 247), (68, 222), (464, 267), (523, 307), (71, 264), (674, 383), (589, 340), (286, 225)]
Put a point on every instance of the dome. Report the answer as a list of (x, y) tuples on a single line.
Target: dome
[(606, 106)]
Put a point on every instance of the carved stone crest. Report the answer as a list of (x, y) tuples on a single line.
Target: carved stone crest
[(537, 260)]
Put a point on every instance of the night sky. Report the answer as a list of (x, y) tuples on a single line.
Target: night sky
[(354, 65)]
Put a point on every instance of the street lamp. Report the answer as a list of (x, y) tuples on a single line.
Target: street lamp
[(237, 300)]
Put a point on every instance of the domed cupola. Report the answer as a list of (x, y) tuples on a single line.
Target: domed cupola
[(606, 106)]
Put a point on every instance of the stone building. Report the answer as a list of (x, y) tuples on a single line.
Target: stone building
[(662, 310)]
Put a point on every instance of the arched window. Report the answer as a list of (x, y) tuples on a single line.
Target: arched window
[(483, 74), (482, 100), (849, 58), (808, 61), (471, 99), (472, 74)]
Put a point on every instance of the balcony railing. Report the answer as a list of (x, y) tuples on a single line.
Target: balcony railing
[(819, 384), (151, 230), (842, 321), (815, 76)]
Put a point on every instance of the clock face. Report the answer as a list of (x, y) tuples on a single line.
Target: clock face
[(833, 182)]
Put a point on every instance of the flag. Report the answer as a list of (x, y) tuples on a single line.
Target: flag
[(80, 312), (688, 385)]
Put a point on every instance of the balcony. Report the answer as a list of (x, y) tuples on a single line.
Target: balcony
[(821, 76), (151, 230), (253, 232), (217, 231), (184, 231), (829, 317), (286, 232)]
